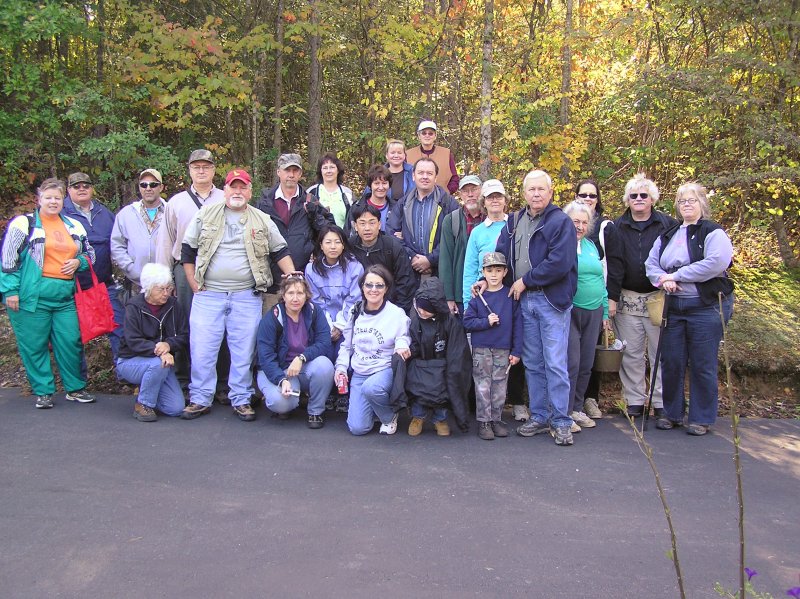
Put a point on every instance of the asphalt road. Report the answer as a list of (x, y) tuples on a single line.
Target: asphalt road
[(96, 504)]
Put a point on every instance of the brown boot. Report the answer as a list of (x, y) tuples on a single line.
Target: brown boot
[(143, 413)]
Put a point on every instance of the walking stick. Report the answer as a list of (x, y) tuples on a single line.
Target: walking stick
[(656, 362)]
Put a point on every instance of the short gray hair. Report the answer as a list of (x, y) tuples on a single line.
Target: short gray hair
[(576, 206), (701, 194), (535, 174), (638, 182), (154, 274), (51, 183)]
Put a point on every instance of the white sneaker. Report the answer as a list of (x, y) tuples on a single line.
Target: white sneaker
[(521, 413), (389, 429), (583, 420), (574, 428), (592, 409)]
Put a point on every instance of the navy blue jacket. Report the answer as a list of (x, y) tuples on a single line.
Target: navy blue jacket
[(553, 253), (272, 344), (143, 330), (99, 235)]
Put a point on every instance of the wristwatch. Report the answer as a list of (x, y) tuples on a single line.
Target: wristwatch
[(303, 358)]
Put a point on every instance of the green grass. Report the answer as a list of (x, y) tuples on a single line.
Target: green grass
[(764, 333)]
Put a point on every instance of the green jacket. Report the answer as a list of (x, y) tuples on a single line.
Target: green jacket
[(452, 249)]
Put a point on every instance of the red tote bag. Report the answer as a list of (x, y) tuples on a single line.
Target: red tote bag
[(95, 315)]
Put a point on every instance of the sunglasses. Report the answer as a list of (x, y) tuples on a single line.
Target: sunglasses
[(150, 184), (587, 195), (81, 186), (374, 286), (642, 195)]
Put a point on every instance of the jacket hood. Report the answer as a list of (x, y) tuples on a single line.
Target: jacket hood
[(432, 290)]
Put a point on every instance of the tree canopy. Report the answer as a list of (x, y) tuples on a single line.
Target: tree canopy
[(680, 89)]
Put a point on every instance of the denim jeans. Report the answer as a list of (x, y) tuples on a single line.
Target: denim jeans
[(315, 378), (369, 395), (214, 314), (544, 353), (158, 387), (691, 339), (418, 411)]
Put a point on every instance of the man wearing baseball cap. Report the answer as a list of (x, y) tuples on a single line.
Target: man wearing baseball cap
[(456, 228), (447, 176), (98, 222), (298, 221), (227, 273), (180, 210), (135, 232)]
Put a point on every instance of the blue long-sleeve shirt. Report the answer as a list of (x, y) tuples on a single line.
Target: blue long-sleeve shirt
[(506, 334)]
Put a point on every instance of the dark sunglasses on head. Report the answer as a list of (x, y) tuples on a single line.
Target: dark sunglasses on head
[(81, 186), (150, 184), (644, 196), (587, 195)]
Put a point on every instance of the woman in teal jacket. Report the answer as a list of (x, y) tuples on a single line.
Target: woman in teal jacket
[(41, 253)]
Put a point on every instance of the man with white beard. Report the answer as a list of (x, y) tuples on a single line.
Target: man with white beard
[(226, 253)]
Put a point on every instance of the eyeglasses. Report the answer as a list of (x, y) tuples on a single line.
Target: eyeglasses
[(81, 186), (427, 132), (687, 202), (593, 196), (197, 167), (163, 288), (150, 184), (377, 286), (642, 195)]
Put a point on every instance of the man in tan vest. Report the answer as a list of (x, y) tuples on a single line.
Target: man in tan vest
[(447, 175)]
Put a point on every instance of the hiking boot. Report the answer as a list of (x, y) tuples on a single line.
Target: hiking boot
[(499, 428), (415, 426), (389, 429), (485, 431), (635, 411), (81, 396), (442, 428), (144, 413), (521, 413), (665, 424), (592, 409), (315, 421), (245, 412), (531, 428), (193, 410), (582, 420), (697, 430), (44, 402), (561, 435), (343, 403)]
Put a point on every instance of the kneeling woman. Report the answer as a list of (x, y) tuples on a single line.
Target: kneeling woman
[(156, 328), (294, 353), (375, 330)]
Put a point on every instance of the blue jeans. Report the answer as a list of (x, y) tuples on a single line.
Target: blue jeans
[(418, 411), (158, 387), (315, 378), (691, 338), (369, 395), (215, 313), (544, 354)]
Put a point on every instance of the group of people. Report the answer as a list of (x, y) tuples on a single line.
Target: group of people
[(402, 297)]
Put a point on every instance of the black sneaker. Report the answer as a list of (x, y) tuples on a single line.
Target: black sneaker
[(81, 396), (44, 402), (561, 435), (485, 431), (500, 428), (635, 411), (315, 421), (193, 410), (531, 428), (330, 403), (245, 412), (343, 404)]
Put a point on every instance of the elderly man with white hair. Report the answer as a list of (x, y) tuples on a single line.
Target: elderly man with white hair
[(628, 242), (540, 245), (155, 330)]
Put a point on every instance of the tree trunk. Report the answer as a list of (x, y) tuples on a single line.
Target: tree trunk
[(278, 87), (314, 91), (486, 91), (788, 256), (100, 129), (566, 77)]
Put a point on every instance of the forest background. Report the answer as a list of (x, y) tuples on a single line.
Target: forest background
[(705, 90)]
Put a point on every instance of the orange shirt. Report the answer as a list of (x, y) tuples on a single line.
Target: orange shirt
[(58, 247)]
